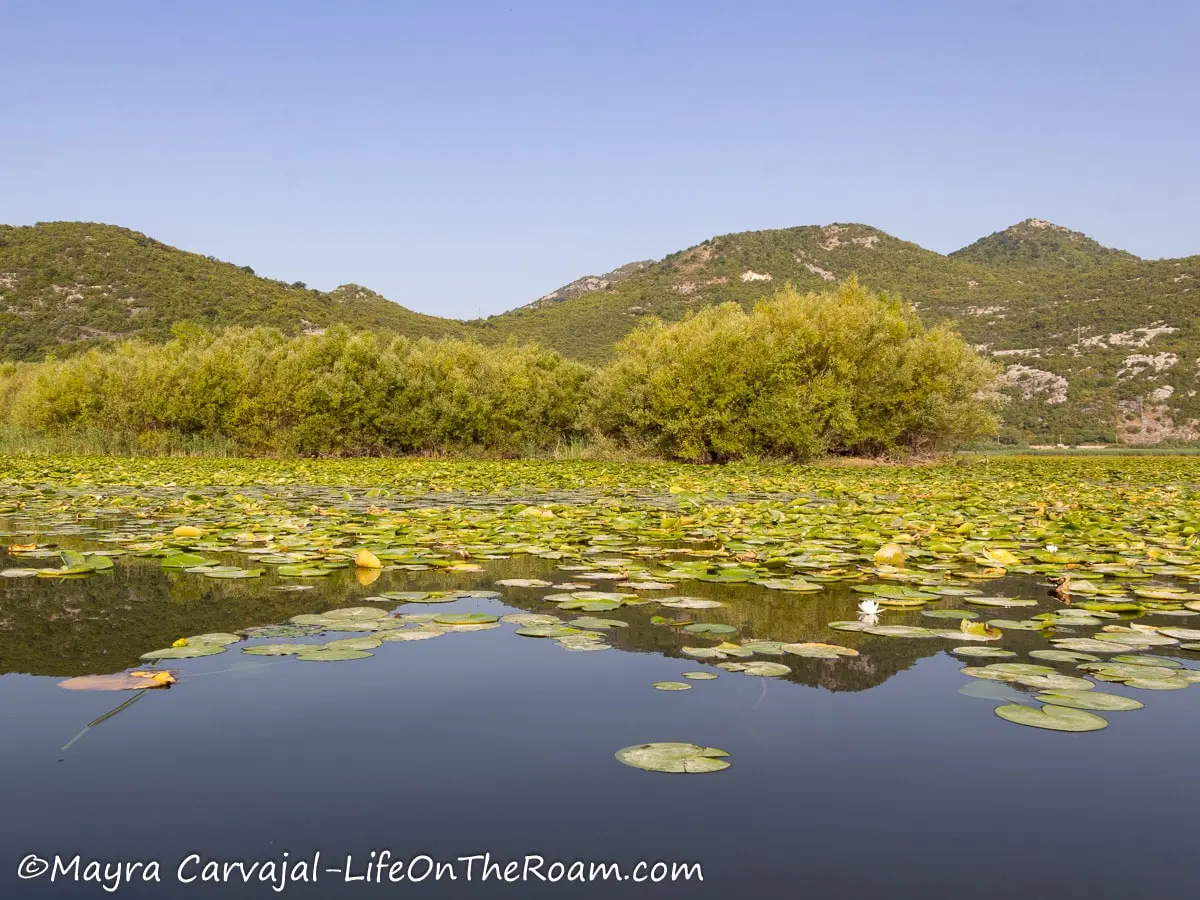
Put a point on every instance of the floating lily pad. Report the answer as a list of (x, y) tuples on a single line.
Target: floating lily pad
[(689, 759), (769, 648), (190, 652), (818, 650), (671, 686), (949, 614), (700, 676), (529, 620), (850, 625), (474, 618), (710, 628), (360, 643), (1054, 718), (993, 652), (690, 603), (121, 681), (420, 633), (760, 668), (279, 631), (1173, 683), (591, 622), (1062, 656), (322, 654), (546, 631), (1089, 645), (1000, 602), (1097, 700), (278, 649)]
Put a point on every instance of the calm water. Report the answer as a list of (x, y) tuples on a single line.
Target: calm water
[(860, 777)]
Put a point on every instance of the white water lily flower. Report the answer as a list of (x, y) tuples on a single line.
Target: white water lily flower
[(868, 612), (1052, 548)]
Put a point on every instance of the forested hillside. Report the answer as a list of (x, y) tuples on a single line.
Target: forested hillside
[(1095, 343)]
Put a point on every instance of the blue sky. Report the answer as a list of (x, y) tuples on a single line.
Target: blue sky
[(464, 158)]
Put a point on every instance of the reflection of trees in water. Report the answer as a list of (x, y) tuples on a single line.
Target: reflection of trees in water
[(103, 623)]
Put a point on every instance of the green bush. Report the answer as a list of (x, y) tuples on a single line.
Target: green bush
[(847, 372), (336, 393), (799, 375)]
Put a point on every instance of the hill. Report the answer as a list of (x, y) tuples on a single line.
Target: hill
[(66, 285), (1043, 245), (1097, 344)]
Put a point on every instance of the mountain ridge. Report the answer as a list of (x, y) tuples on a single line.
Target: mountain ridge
[(1096, 343)]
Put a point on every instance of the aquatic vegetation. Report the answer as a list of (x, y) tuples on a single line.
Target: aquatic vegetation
[(1054, 718), (756, 570), (679, 758)]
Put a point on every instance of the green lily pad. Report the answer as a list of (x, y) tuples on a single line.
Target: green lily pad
[(760, 668), (183, 561), (676, 758), (191, 651), (322, 654), (689, 603), (768, 648), (546, 631), (1001, 602), (278, 649), (709, 628), (1054, 718), (591, 622), (420, 633), (1063, 656), (529, 620), (993, 652), (360, 643), (456, 619), (671, 686), (700, 676), (1097, 700), (949, 614)]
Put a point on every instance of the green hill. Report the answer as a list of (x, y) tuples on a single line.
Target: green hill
[(1036, 243), (65, 285), (1098, 345)]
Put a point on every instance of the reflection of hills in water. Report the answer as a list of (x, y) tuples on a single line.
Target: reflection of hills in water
[(103, 623)]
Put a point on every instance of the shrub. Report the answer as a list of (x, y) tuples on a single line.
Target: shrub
[(799, 375)]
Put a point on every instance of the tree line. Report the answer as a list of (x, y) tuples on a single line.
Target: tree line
[(796, 376)]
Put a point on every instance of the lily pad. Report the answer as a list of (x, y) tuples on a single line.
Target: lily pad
[(591, 622), (1097, 700), (528, 620), (671, 686), (191, 651), (689, 603), (1062, 656), (278, 649), (818, 650), (457, 619), (1000, 602), (710, 628), (760, 668), (337, 654), (992, 652), (546, 631), (1054, 718), (675, 758), (949, 614)]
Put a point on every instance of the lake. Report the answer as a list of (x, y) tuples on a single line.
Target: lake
[(872, 765)]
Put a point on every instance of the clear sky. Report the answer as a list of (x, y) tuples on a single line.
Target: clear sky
[(464, 158)]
